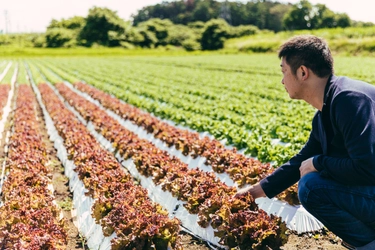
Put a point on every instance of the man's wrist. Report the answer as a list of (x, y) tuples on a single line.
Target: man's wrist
[(257, 191)]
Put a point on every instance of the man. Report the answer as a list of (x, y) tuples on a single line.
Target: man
[(336, 167)]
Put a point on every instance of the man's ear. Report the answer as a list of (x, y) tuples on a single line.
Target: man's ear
[(304, 72)]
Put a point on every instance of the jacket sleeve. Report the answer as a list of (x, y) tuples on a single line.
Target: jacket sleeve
[(353, 116), (288, 174)]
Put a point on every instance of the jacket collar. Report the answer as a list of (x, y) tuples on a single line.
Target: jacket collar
[(327, 92)]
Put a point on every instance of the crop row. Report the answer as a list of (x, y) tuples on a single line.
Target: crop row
[(248, 121), (120, 206), (9, 74), (4, 92), (241, 169), (202, 193), (29, 216), (4, 66)]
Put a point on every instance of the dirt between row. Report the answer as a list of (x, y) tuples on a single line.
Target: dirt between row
[(60, 184), (318, 241)]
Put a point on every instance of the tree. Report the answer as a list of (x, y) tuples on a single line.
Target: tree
[(265, 14), (142, 38), (148, 39), (243, 30), (239, 14), (214, 34), (160, 29), (76, 22), (326, 17), (62, 33), (176, 11), (343, 20), (197, 28), (191, 45), (39, 41), (254, 12), (178, 34), (258, 13), (99, 22), (60, 37), (362, 24), (276, 16), (202, 12), (301, 16)]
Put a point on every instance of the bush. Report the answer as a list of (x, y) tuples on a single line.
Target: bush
[(97, 27), (127, 45), (40, 41), (243, 30), (191, 45), (177, 34), (149, 39), (214, 34), (60, 37), (261, 47), (157, 28), (5, 40), (199, 25)]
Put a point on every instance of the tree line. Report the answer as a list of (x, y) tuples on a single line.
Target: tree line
[(103, 27), (264, 14), (191, 24)]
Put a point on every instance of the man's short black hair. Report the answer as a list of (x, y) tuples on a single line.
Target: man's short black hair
[(310, 51)]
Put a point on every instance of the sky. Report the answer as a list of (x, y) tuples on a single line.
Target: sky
[(34, 16)]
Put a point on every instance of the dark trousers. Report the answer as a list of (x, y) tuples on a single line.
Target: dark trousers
[(347, 211)]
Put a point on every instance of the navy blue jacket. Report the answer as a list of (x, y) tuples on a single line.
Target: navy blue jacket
[(342, 140)]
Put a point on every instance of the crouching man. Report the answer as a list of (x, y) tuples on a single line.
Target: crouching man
[(335, 169)]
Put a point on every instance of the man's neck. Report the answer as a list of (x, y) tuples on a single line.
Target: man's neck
[(314, 94)]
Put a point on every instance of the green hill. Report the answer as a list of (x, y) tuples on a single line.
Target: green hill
[(350, 41)]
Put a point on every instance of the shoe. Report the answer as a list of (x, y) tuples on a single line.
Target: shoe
[(347, 245)]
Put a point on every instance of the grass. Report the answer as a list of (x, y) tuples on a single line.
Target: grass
[(344, 41), (16, 52)]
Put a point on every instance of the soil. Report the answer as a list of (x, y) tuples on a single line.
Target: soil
[(313, 242), (61, 187), (189, 242), (3, 146), (59, 181), (6, 132), (320, 241)]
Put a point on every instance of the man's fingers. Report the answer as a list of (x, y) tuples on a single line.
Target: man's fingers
[(241, 192)]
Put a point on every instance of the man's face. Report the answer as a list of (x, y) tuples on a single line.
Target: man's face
[(290, 81)]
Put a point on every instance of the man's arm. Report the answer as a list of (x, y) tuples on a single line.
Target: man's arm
[(289, 173), (354, 117), (256, 191)]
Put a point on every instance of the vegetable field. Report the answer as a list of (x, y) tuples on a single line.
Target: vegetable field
[(153, 148)]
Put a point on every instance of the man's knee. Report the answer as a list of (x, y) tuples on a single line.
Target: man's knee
[(306, 186)]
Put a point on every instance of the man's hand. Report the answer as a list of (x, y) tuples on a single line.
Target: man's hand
[(256, 191), (306, 167)]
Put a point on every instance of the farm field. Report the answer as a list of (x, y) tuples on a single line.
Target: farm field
[(147, 144)]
